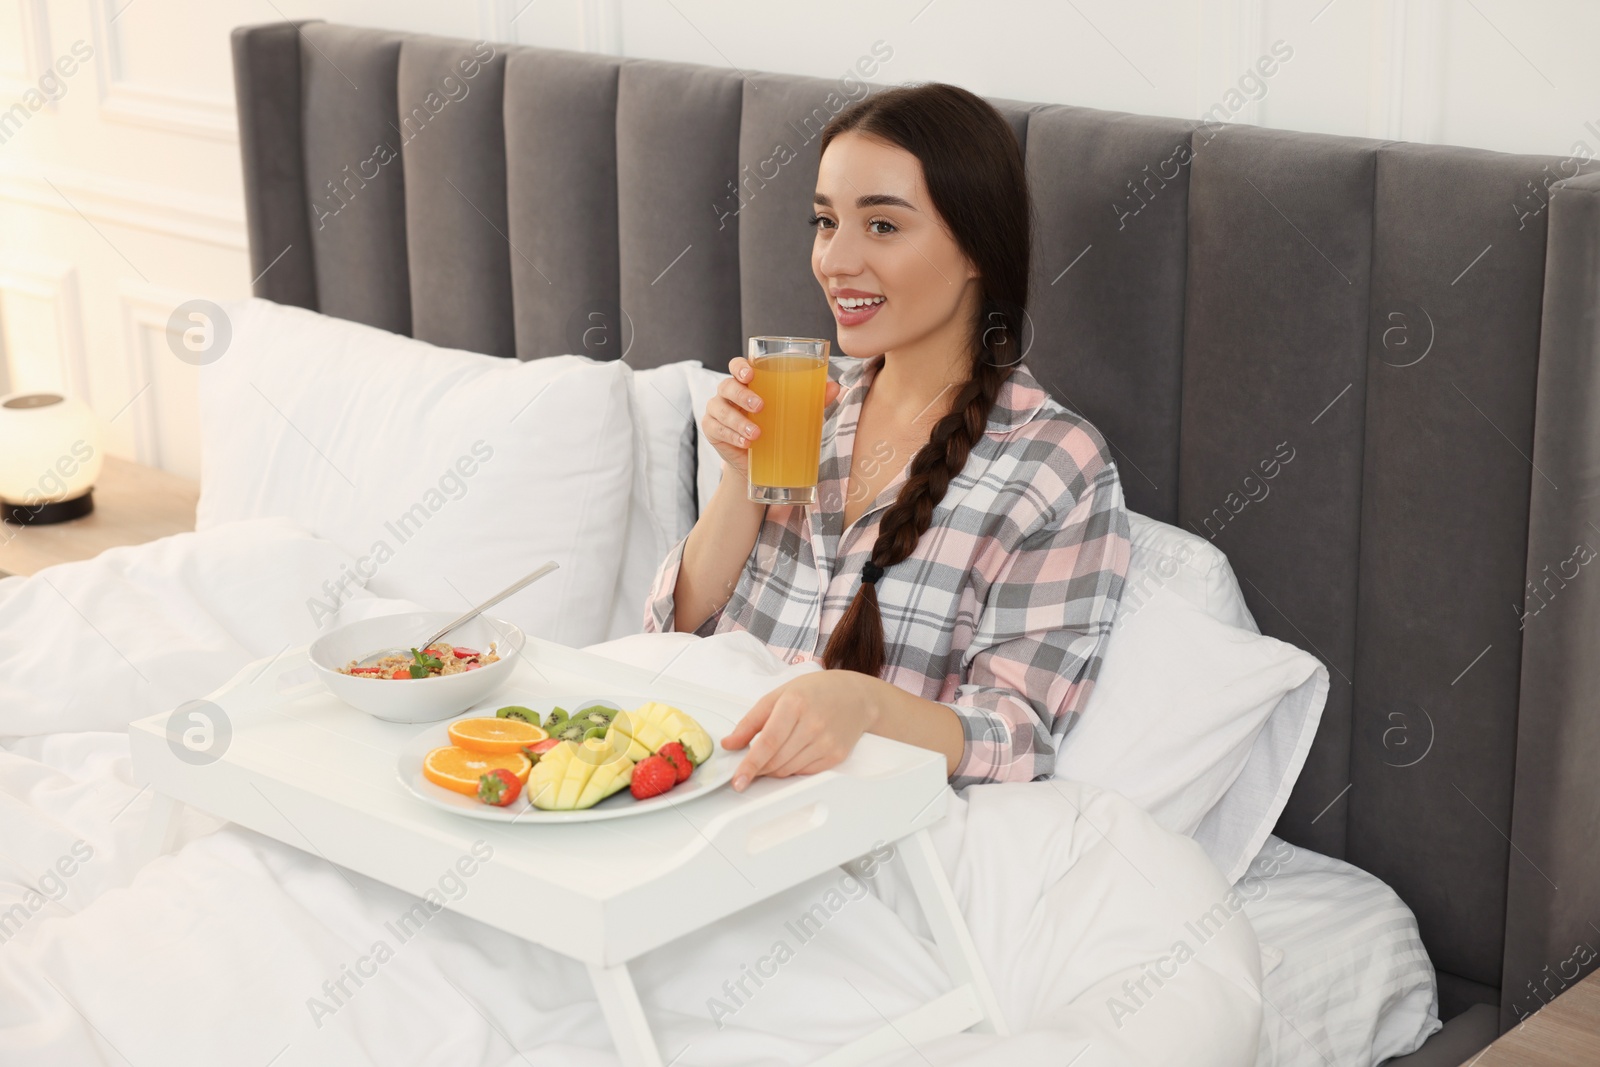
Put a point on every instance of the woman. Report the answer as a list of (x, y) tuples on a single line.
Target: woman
[(960, 571)]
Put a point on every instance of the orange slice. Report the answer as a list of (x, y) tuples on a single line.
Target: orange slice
[(458, 769), (494, 735)]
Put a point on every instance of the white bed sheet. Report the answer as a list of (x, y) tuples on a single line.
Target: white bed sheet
[(1352, 984), (1349, 983), (205, 931)]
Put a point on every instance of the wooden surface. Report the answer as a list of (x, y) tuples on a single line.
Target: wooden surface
[(1565, 1032), (132, 504)]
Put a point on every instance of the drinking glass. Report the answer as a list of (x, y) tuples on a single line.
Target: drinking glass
[(790, 376)]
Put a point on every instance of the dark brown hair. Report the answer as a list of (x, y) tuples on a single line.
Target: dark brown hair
[(972, 166)]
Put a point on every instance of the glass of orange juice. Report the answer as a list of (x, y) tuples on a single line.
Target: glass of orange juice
[(790, 375)]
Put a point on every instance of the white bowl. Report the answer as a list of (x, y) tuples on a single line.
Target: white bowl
[(414, 700)]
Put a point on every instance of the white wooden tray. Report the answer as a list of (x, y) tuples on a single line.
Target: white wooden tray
[(287, 759), (293, 762)]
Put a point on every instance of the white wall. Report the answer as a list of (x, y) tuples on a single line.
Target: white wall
[(120, 199)]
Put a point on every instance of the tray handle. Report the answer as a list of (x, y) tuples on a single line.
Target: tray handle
[(785, 827)]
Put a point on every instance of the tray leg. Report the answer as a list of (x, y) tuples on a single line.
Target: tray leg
[(959, 951), (160, 828), (625, 1016)]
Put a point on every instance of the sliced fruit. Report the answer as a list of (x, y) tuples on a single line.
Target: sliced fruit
[(644, 730), (574, 775), (499, 787), (537, 750), (674, 753), (579, 724), (494, 735), (517, 711), (459, 769), (652, 776)]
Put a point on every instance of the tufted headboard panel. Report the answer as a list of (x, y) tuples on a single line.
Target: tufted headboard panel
[(1365, 370)]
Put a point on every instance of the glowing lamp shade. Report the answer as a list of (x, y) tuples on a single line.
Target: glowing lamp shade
[(49, 458)]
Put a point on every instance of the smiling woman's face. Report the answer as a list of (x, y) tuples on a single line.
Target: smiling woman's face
[(882, 246)]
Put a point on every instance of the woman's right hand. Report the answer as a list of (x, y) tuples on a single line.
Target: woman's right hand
[(728, 425)]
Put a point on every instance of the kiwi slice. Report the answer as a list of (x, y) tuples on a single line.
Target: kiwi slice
[(517, 711), (587, 722)]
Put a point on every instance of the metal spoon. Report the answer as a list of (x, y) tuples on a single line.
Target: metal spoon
[(515, 587)]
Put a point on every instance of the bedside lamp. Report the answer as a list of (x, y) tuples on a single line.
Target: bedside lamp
[(49, 458)]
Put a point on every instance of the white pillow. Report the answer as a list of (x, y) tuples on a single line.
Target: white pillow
[(703, 384), (1190, 566), (448, 474), (1237, 825), (1198, 572), (1178, 705), (665, 421), (1355, 984), (663, 507), (1242, 819)]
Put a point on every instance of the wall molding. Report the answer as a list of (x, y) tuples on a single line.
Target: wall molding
[(145, 310), (158, 209), (1387, 120), (187, 114), (498, 20), (1231, 35), (1250, 42), (503, 20), (1405, 100), (35, 49), (56, 282), (170, 111), (1422, 112), (602, 26)]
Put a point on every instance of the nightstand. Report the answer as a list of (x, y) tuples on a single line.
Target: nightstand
[(132, 504), (1564, 1033)]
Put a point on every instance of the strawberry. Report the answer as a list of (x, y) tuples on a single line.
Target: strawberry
[(652, 776), (673, 751), (499, 787), (539, 748)]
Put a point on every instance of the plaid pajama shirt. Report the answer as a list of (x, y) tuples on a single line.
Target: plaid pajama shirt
[(1003, 610)]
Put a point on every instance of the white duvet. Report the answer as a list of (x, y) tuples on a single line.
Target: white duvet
[(1109, 940)]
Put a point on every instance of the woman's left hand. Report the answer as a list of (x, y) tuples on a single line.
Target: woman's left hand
[(805, 725)]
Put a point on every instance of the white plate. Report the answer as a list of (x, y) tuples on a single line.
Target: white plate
[(714, 773)]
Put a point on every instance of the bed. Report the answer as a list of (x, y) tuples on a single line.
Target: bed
[(1205, 294)]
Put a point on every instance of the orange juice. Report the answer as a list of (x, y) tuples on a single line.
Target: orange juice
[(785, 454)]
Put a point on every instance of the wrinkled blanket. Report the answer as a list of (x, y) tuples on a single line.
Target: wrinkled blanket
[(1109, 940)]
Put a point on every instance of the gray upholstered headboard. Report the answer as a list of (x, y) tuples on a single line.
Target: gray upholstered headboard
[(1404, 335)]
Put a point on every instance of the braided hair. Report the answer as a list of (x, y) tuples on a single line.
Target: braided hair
[(972, 166)]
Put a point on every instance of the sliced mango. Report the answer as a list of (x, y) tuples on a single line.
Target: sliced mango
[(575, 775), (642, 731)]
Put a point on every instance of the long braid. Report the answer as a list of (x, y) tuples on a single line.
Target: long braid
[(972, 163), (857, 642)]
